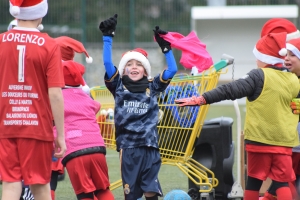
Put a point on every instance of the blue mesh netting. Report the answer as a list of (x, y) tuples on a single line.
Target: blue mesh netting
[(186, 116)]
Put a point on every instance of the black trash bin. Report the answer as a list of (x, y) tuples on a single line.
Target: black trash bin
[(215, 150)]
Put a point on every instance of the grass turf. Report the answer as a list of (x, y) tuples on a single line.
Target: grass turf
[(170, 176)]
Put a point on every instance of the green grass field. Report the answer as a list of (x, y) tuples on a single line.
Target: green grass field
[(170, 176)]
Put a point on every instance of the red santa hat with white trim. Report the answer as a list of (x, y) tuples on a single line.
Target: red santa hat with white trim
[(294, 46), (68, 47), (138, 54), (28, 9), (278, 25), (271, 48)]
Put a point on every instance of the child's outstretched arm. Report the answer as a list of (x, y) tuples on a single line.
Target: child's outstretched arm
[(249, 86), (166, 49), (108, 28), (172, 66)]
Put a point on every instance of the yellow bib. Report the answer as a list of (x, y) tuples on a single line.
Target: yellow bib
[(269, 118)]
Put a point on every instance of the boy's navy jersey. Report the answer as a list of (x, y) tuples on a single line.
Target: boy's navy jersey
[(136, 114)]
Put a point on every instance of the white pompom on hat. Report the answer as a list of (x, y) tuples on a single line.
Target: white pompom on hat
[(271, 48), (86, 89), (279, 25), (68, 47), (138, 54), (28, 9)]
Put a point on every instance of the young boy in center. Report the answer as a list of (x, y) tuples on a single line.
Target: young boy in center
[(136, 112), (269, 137)]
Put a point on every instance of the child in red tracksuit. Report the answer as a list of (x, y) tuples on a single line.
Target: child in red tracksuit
[(269, 137), (57, 168), (31, 71)]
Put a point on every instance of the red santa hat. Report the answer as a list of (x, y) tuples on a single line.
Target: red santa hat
[(28, 9), (294, 46), (73, 73), (278, 25), (68, 47), (271, 49), (138, 54)]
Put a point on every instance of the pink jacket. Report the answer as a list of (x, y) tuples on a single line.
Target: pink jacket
[(81, 127), (194, 52)]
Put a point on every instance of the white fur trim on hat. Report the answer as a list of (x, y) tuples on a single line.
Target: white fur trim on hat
[(31, 12), (266, 58), (136, 56), (293, 35), (293, 49)]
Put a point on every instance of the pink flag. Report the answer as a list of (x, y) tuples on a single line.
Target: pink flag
[(194, 52)]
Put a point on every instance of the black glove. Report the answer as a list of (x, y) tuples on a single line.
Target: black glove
[(164, 45), (108, 26)]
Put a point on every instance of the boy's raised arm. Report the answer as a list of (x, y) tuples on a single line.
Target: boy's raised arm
[(108, 28)]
